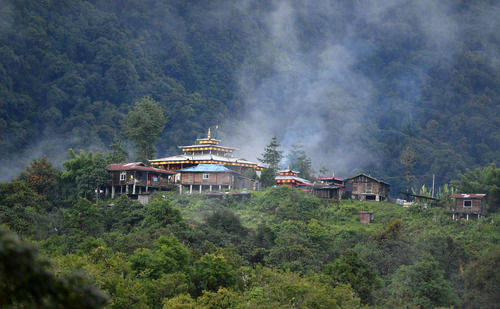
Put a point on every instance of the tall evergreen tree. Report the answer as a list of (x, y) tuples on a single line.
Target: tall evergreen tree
[(272, 154), (143, 125), (272, 157), (299, 161)]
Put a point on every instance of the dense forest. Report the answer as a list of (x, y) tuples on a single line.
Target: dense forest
[(354, 81), (276, 248), (380, 87)]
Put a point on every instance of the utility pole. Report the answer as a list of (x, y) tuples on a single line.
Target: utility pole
[(406, 159), (433, 177)]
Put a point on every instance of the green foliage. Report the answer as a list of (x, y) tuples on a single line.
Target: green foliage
[(23, 210), (267, 177), (299, 161), (288, 203), (123, 215), (150, 255), (482, 180), (213, 271), (159, 213), (143, 125), (118, 153), (391, 231), (273, 289), (349, 268), (167, 256), (83, 218), (272, 154), (222, 299), (26, 280), (481, 281), (422, 285)]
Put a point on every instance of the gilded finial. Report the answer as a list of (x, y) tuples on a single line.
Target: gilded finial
[(333, 174), (288, 168), (208, 133)]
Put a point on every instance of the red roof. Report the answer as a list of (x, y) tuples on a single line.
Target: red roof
[(465, 195), (136, 166)]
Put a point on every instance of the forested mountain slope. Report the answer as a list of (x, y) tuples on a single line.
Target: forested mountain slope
[(354, 81)]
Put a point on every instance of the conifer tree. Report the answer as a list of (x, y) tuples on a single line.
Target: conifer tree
[(272, 157)]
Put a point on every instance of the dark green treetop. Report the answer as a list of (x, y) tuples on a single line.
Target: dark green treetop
[(143, 125)]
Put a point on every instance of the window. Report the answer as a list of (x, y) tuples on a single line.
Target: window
[(467, 203), (368, 187), (205, 176), (122, 176)]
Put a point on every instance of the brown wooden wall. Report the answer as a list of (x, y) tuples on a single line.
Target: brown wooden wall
[(140, 176), (363, 184), (223, 179), (478, 206)]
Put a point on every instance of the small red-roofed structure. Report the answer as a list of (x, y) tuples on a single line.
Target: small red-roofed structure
[(469, 205)]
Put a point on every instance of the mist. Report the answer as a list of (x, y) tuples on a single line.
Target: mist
[(316, 92)]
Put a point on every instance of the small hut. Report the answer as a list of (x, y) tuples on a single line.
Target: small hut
[(469, 205), (365, 216)]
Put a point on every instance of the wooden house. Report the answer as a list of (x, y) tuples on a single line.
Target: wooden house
[(328, 187), (136, 179), (364, 187), (469, 205), (213, 177), (326, 190)]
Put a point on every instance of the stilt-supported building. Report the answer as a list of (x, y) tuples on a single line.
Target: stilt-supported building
[(137, 180), (469, 205)]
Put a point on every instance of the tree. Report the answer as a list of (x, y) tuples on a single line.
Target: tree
[(422, 285), (299, 161), (272, 154), (27, 282), (94, 176), (267, 177), (23, 210), (143, 125), (118, 153), (213, 271), (482, 180), (481, 281), (168, 256), (83, 218), (42, 177), (351, 269)]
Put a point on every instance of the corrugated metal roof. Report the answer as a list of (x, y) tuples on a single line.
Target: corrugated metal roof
[(206, 168), (371, 177), (136, 166), (465, 195)]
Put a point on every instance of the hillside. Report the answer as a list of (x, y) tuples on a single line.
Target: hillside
[(278, 248), (353, 81)]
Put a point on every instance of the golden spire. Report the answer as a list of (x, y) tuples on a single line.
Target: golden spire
[(208, 133), (288, 168), (333, 174)]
